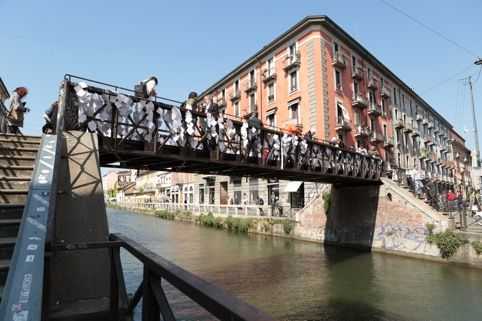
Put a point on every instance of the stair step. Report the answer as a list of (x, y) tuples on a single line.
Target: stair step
[(20, 138), (20, 151), (22, 182), (16, 171), (7, 244), (11, 211), (4, 266), (9, 227), (13, 196), (19, 144), (17, 160)]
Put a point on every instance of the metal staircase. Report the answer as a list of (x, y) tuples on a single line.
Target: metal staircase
[(17, 158)]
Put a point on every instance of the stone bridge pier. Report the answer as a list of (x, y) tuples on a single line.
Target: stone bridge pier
[(351, 218)]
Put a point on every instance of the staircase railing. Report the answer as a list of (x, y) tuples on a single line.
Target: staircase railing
[(22, 296)]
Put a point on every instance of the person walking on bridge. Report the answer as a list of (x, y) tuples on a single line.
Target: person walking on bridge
[(17, 110)]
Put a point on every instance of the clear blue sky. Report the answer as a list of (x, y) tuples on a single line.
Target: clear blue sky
[(191, 44)]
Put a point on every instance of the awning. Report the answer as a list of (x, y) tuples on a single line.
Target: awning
[(293, 186)]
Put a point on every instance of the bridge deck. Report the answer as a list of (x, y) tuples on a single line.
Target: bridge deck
[(160, 135)]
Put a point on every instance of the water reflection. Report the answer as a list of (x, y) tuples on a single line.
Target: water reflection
[(294, 280)]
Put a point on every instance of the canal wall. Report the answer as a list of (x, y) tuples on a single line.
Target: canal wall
[(384, 218)]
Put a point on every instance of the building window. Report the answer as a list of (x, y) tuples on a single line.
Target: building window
[(292, 52), (338, 80), (356, 89), (357, 117), (273, 191), (293, 111), (384, 130), (236, 87), (293, 78), (336, 48), (201, 193), (271, 92), (369, 73), (236, 108), (371, 98), (252, 78), (252, 102), (223, 93), (353, 62), (270, 67), (271, 119), (395, 102)]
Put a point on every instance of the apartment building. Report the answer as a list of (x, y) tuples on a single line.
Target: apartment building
[(316, 76)]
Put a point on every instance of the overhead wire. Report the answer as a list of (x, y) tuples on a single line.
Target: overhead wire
[(436, 32)]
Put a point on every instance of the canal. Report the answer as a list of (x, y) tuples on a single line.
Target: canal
[(294, 280)]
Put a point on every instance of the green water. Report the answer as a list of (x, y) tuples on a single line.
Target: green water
[(294, 280)]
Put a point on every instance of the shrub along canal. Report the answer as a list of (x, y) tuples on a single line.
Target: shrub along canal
[(295, 280)]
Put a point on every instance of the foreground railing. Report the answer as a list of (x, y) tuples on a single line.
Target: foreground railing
[(22, 296), (128, 124)]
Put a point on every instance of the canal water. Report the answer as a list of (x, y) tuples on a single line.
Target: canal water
[(294, 280)]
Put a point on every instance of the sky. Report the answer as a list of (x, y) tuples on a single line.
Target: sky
[(189, 45)]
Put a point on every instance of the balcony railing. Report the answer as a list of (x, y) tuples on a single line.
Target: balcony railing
[(372, 83), (343, 125), (408, 126), (385, 92), (362, 131), (376, 137), (389, 142), (269, 75), (250, 86), (357, 73), (235, 95), (375, 110), (339, 60), (399, 123), (292, 61), (222, 102), (359, 101)]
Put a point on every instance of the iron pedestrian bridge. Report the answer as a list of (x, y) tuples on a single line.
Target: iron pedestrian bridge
[(66, 265), (162, 134)]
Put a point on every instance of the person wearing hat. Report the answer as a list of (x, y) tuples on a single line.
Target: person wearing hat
[(17, 110)]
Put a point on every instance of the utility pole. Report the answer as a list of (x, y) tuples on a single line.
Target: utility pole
[(476, 132)]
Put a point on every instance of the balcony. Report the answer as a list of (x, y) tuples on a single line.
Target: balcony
[(427, 139), (423, 153), (375, 110), (359, 101), (399, 123), (292, 62), (408, 126), (343, 126), (388, 142), (372, 83), (222, 102), (424, 121), (385, 92), (376, 137), (235, 95), (253, 108), (415, 132), (430, 125), (358, 73), (419, 117), (250, 86), (362, 131), (269, 75), (338, 61)]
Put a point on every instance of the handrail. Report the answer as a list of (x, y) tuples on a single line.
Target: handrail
[(22, 296), (214, 299)]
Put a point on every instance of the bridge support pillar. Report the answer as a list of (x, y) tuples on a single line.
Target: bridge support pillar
[(352, 216)]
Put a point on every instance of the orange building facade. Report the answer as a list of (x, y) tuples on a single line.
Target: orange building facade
[(316, 76)]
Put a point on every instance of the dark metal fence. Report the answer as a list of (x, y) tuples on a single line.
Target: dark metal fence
[(162, 127)]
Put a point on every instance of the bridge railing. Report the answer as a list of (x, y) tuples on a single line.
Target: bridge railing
[(22, 296), (161, 126)]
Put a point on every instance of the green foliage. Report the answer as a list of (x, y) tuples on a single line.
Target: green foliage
[(430, 227), (229, 223), (164, 214), (448, 242), (288, 226), (218, 222), (326, 201), (266, 226), (477, 245), (207, 220)]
